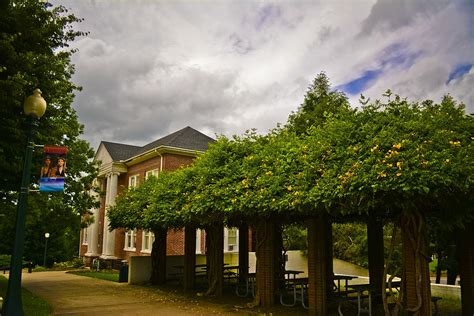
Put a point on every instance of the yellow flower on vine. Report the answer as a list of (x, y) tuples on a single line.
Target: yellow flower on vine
[(397, 146), (399, 165)]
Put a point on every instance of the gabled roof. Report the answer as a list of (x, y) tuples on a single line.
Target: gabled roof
[(120, 151), (186, 138)]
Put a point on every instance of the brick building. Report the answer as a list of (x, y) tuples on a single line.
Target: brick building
[(123, 166)]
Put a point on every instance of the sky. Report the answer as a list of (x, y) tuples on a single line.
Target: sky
[(149, 68)]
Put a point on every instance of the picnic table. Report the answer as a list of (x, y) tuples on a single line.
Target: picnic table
[(346, 279), (365, 291), (293, 287)]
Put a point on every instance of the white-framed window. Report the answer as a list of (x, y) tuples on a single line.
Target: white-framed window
[(85, 236), (151, 173), (232, 239), (133, 181), (130, 239), (147, 241)]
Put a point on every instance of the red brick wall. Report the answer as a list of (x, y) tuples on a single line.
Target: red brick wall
[(142, 168), (175, 242), (172, 162)]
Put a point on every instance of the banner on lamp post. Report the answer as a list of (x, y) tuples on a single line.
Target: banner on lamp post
[(54, 169)]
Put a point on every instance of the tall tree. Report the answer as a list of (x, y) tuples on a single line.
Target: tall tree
[(34, 52), (319, 103)]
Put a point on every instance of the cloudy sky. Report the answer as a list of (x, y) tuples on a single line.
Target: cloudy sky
[(149, 68)]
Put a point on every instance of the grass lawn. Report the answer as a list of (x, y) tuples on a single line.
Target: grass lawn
[(32, 305), (109, 275)]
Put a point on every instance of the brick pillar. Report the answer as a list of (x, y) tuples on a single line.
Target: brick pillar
[(189, 257), (415, 264), (329, 257), (317, 292), (243, 253), (376, 256), (266, 265), (466, 267)]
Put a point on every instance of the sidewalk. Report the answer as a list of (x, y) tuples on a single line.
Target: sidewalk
[(75, 295)]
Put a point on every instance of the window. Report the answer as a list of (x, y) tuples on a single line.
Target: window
[(151, 173), (231, 239), (147, 241), (130, 239), (85, 236), (133, 181)]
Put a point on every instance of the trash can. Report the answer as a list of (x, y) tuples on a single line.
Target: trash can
[(123, 272)]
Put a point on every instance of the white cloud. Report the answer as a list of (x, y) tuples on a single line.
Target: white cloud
[(149, 68)]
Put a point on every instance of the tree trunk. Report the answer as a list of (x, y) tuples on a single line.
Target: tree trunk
[(243, 253), (416, 283), (317, 252), (376, 257), (189, 257), (280, 257), (158, 257), (439, 254), (452, 266), (215, 259), (466, 268), (266, 265)]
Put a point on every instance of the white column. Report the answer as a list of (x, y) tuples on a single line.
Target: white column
[(93, 231), (104, 230), (109, 237)]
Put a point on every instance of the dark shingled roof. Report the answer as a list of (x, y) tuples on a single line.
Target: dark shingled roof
[(186, 138), (120, 151)]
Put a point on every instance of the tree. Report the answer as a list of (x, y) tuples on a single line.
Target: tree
[(34, 53), (319, 104)]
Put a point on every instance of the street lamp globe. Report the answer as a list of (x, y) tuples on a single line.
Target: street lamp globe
[(35, 105), (46, 235)]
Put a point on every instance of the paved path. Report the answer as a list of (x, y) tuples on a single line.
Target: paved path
[(70, 294)]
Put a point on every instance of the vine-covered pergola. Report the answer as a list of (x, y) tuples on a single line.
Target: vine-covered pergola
[(391, 161)]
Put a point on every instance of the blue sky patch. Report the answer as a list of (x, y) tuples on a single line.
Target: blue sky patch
[(459, 71), (358, 85), (394, 55)]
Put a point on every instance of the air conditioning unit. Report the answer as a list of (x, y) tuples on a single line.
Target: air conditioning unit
[(230, 247)]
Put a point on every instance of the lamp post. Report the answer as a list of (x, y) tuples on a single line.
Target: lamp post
[(34, 108), (46, 236)]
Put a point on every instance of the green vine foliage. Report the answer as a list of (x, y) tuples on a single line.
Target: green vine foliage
[(387, 157), (397, 157)]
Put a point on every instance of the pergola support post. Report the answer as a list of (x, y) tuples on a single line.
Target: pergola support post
[(243, 253), (215, 258), (266, 265), (329, 256), (317, 261), (189, 257), (466, 267), (158, 257), (376, 256)]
